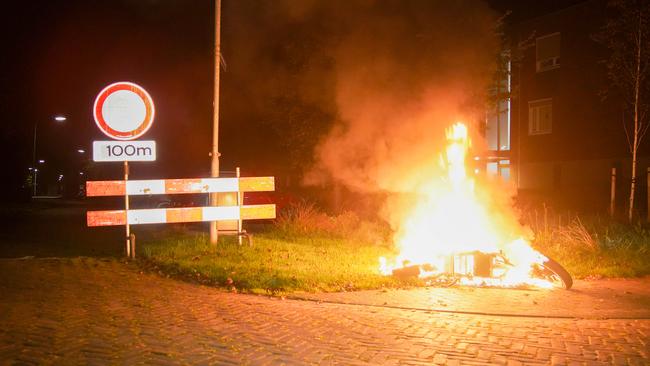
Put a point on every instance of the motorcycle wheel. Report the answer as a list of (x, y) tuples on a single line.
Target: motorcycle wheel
[(556, 274)]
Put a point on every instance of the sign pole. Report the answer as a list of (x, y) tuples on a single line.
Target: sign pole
[(240, 203), (126, 208), (124, 111), (214, 167)]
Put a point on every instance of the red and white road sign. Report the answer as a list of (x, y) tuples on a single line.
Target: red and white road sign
[(123, 111)]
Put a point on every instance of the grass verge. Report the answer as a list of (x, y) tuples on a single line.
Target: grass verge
[(277, 262), (596, 247), (307, 250)]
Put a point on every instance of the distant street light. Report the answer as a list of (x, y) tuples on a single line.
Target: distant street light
[(57, 118)]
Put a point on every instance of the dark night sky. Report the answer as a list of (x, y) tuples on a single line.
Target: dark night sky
[(64, 53), (60, 54)]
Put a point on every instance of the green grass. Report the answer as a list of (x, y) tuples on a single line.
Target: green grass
[(307, 250), (277, 262), (595, 247)]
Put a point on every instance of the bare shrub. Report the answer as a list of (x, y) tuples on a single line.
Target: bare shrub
[(576, 236), (304, 218)]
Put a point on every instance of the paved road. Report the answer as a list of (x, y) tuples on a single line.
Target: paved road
[(597, 299), (91, 311)]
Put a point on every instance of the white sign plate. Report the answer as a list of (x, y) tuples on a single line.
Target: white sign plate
[(124, 150)]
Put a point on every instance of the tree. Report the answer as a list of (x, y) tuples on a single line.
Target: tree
[(627, 36)]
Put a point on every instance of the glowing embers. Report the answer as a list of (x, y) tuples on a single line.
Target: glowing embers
[(469, 265), (473, 269), (450, 232)]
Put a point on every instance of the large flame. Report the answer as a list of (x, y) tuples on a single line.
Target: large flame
[(449, 220)]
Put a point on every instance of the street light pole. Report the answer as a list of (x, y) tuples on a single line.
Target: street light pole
[(34, 161), (214, 233)]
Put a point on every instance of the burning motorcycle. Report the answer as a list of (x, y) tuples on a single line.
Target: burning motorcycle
[(486, 269), (456, 231)]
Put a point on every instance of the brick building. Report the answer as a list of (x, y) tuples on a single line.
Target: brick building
[(557, 138)]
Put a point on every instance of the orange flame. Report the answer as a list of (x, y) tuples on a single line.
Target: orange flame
[(448, 219)]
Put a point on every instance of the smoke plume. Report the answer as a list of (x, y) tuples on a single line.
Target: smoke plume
[(404, 72)]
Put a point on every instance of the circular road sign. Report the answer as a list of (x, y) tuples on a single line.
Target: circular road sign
[(123, 111)]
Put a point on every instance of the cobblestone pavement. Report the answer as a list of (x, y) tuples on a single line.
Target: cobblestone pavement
[(90, 311), (611, 298)]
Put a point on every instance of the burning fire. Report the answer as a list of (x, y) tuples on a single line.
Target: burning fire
[(451, 231)]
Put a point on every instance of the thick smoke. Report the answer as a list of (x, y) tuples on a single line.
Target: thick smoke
[(359, 90), (388, 78), (405, 71)]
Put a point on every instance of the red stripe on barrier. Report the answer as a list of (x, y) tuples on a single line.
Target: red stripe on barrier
[(256, 184), (253, 212), (105, 188), (181, 185), (184, 214), (106, 218)]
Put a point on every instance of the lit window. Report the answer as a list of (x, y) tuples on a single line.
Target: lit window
[(548, 52), (497, 131), (540, 117), (500, 168), (504, 170)]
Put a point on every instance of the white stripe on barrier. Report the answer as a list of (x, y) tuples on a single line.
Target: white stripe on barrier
[(220, 213), (220, 184), (150, 216), (144, 187)]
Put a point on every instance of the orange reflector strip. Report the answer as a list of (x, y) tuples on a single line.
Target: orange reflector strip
[(106, 218), (105, 188), (256, 184), (181, 185), (190, 214), (257, 212)]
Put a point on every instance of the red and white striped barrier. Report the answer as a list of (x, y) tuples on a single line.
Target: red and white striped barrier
[(183, 214), (177, 186)]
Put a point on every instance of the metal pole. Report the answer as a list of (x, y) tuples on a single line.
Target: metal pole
[(519, 132), (34, 161), (648, 190), (132, 237), (35, 178), (126, 210), (214, 233), (612, 193), (240, 202)]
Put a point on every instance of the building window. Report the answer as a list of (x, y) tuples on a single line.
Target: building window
[(498, 126), (499, 168), (540, 117), (498, 116), (548, 52)]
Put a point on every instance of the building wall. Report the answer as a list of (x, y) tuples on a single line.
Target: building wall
[(572, 164)]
